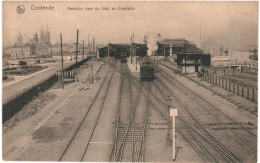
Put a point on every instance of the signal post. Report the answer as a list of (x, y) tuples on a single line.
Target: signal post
[(173, 113)]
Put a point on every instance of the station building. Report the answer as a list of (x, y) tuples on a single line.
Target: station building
[(188, 56), (115, 50)]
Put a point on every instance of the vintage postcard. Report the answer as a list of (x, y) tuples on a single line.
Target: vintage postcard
[(121, 81)]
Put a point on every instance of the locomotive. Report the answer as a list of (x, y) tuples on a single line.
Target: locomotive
[(146, 69), (123, 58)]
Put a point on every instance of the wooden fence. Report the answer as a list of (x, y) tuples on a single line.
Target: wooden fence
[(231, 86)]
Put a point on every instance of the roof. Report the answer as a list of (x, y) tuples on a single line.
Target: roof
[(116, 46), (119, 44), (189, 48), (182, 46), (174, 42), (192, 54), (135, 44)]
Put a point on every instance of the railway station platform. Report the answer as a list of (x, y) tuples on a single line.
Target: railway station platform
[(134, 68)]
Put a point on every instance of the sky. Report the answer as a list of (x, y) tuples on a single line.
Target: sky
[(209, 24)]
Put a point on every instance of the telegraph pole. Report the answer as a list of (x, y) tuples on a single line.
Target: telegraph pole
[(51, 51), (62, 73), (90, 48), (77, 45), (133, 43), (108, 51), (88, 45), (164, 52), (94, 47), (131, 48), (185, 55), (136, 58), (83, 49), (97, 52), (92, 60)]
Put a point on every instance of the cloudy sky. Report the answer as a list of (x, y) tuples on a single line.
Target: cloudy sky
[(210, 24)]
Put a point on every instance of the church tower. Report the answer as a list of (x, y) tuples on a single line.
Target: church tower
[(42, 39), (47, 36), (35, 39), (19, 42)]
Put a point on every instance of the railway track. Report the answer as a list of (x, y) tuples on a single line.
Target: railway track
[(138, 83), (123, 137), (213, 91), (240, 133), (197, 135), (201, 139), (140, 155), (114, 144), (223, 118), (252, 111), (157, 103), (126, 146), (77, 146), (129, 136), (219, 115)]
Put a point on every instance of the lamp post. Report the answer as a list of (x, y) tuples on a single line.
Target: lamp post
[(168, 99), (226, 52)]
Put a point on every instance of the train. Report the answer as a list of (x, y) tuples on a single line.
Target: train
[(123, 58), (146, 69)]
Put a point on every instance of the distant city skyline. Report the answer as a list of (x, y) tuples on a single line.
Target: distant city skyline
[(209, 24)]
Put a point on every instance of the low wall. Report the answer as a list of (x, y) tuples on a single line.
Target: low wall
[(16, 103)]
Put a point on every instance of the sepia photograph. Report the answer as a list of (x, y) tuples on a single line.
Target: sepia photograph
[(122, 81)]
